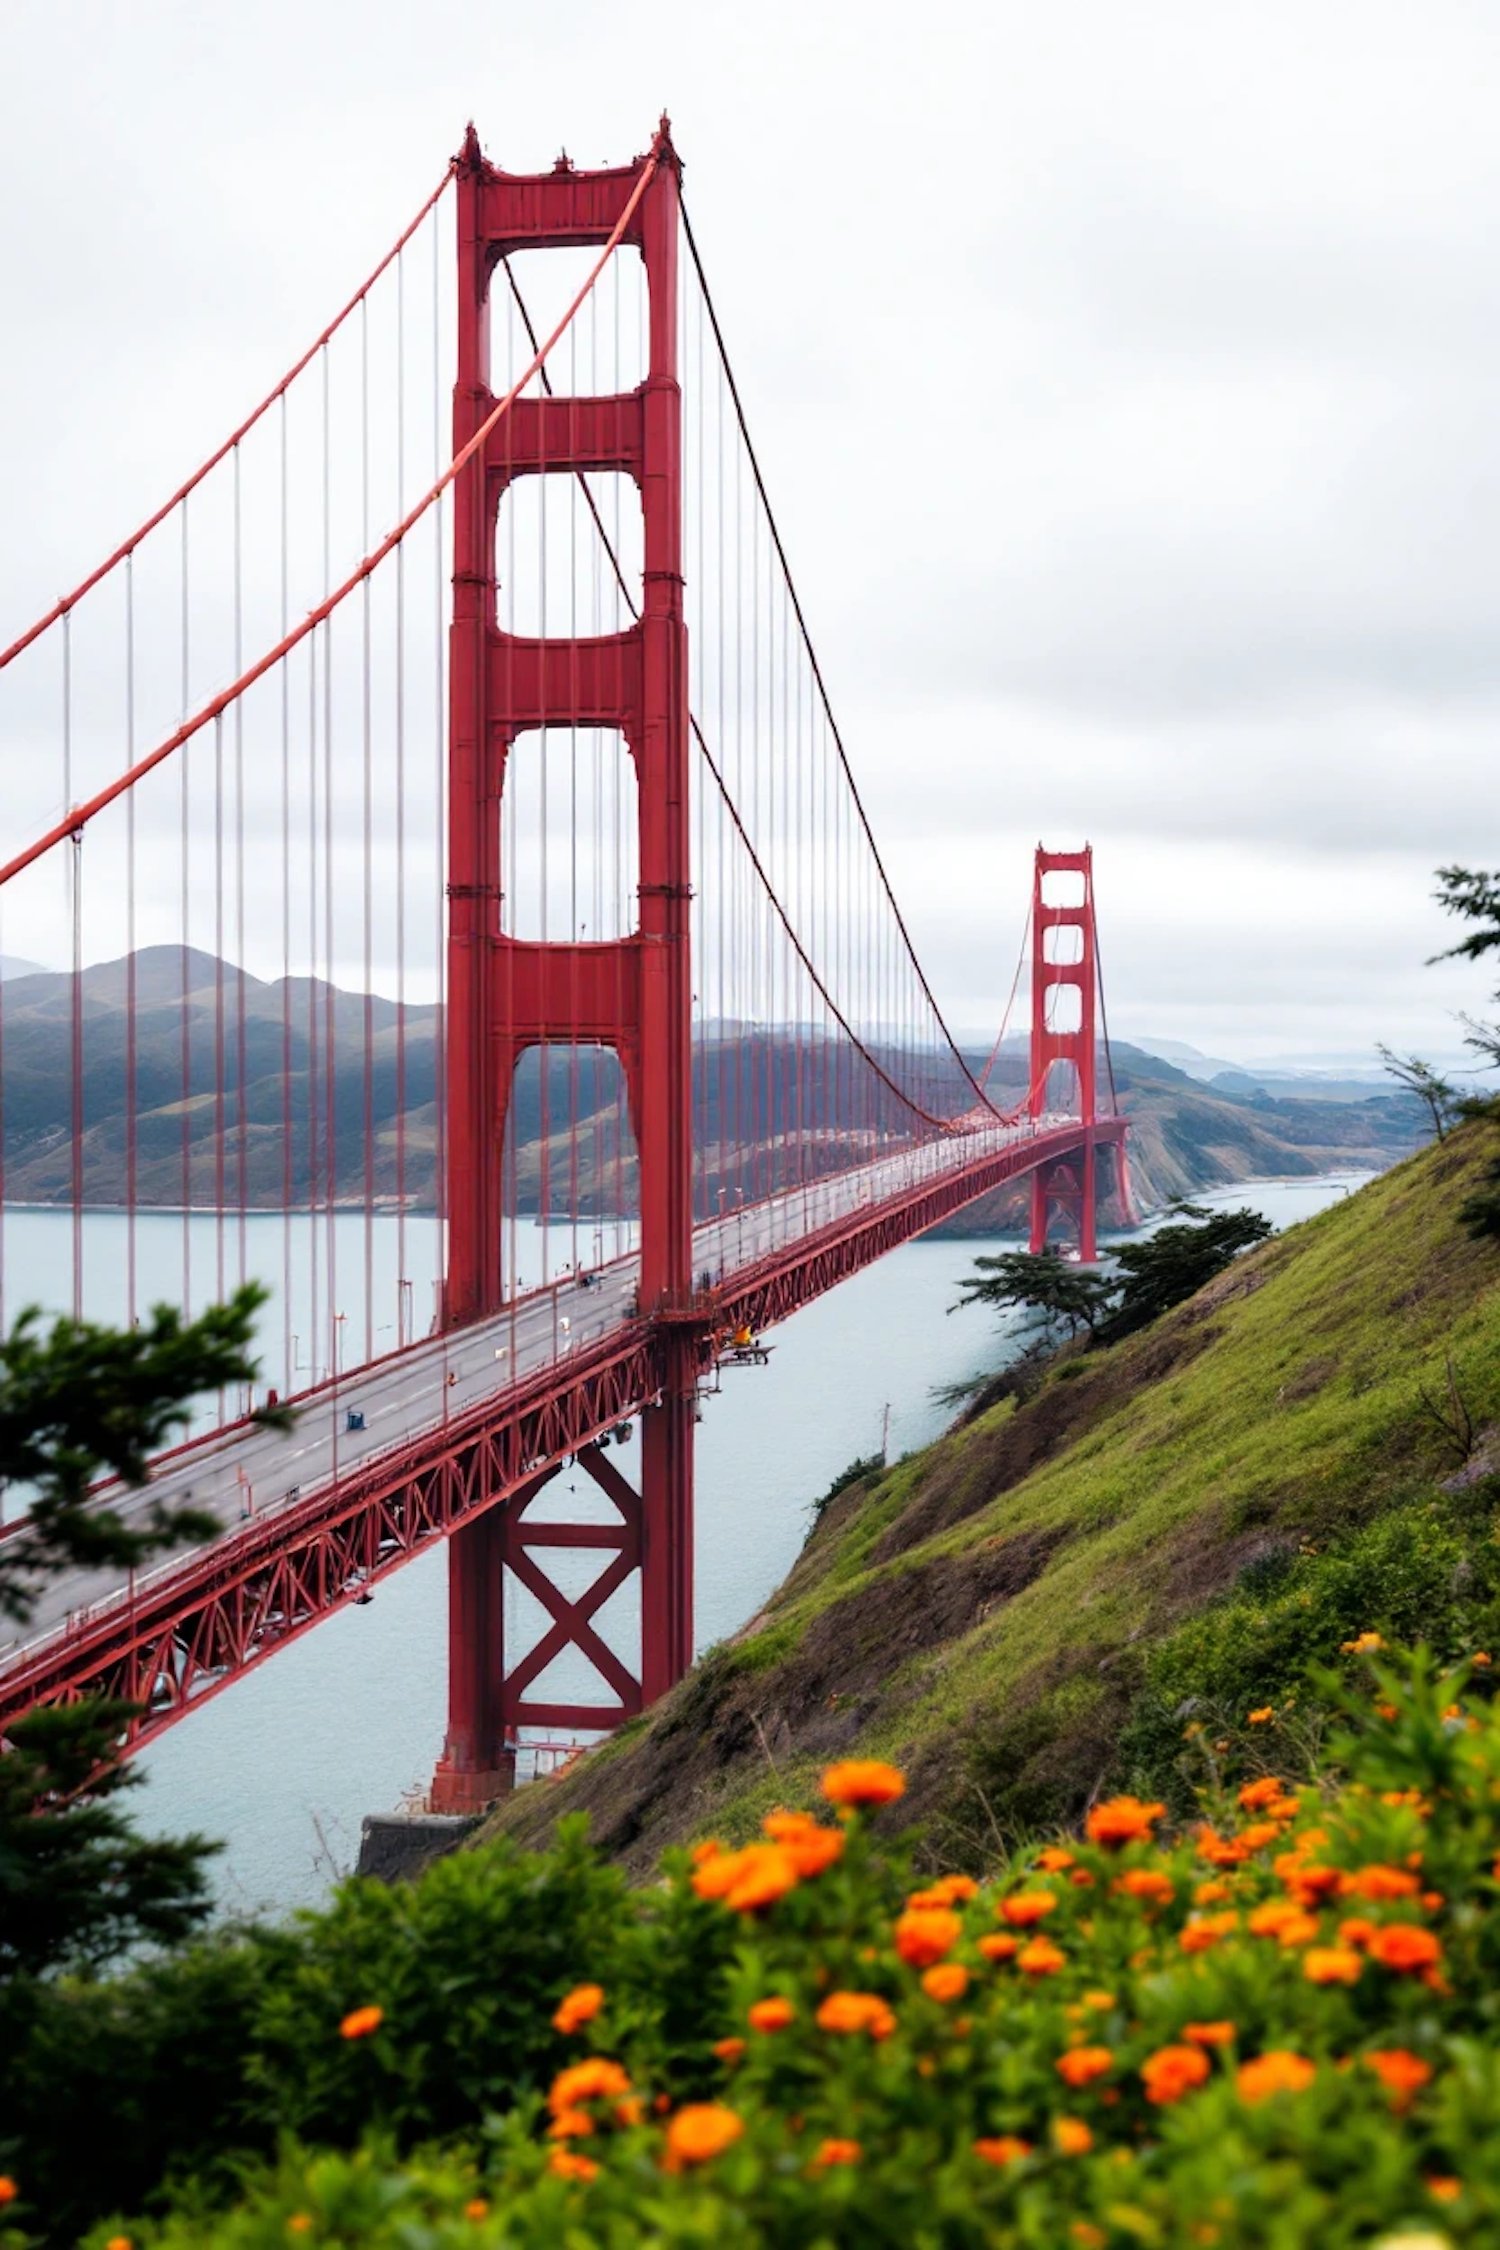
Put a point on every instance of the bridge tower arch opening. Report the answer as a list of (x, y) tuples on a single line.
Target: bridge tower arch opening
[(631, 993)]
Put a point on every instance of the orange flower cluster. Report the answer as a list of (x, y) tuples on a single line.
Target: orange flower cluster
[(1122, 1820), (699, 2132), (1025, 1907), (1172, 2072), (849, 2012), (771, 2015), (746, 1880), (812, 1846), (578, 2007), (596, 2079), (1082, 2065), (837, 2152), (1004, 2148), (1277, 2072), (925, 1933), (863, 1781), (796, 1849), (360, 2022)]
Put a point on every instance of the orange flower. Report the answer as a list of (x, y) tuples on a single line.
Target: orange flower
[(1205, 1930), (8, 2189), (1172, 2072), (1385, 1710), (1120, 1820), (812, 1846), (1380, 1882), (1403, 1946), (594, 2079), (1262, 1717), (856, 2011), (948, 1890), (1099, 2000), (863, 1781), (1144, 1883), (1001, 1946), (1081, 1879), (580, 2006), (1365, 1645), (1082, 2065), (1072, 2136), (1331, 1964), (568, 2165), (1257, 1794), (1258, 1835), (1276, 1915), (1025, 1907), (1446, 2190), (1356, 1931), (1481, 1657), (772, 2015), (570, 2125), (1005, 2148), (948, 1981), (1402, 2073), (1277, 2072), (1208, 2034), (837, 2152), (1308, 1884), (729, 2050), (767, 1873), (1209, 1894), (360, 2022), (1087, 2235), (1054, 1859), (477, 2207), (925, 1933), (698, 2132), (1041, 1958)]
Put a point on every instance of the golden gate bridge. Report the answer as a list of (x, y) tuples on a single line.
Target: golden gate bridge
[(549, 778)]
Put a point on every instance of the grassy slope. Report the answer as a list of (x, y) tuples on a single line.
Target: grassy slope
[(987, 1612)]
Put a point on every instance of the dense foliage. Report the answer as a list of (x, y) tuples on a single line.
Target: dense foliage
[(79, 1402), (1277, 2026), (1152, 1275)]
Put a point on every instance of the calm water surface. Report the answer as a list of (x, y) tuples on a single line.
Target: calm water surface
[(345, 1721)]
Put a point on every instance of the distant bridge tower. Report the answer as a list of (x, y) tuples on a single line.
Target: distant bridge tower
[(1062, 1031), (504, 995)]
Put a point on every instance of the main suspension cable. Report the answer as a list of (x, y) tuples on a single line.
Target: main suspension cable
[(812, 657), (128, 546)]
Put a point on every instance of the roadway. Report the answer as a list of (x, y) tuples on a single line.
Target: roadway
[(247, 1470)]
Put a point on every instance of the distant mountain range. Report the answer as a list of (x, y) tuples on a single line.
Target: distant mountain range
[(301, 1048)]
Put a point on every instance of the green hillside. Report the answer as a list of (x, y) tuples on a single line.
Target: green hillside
[(1043, 1603)]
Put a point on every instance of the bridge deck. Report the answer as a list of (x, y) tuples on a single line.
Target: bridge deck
[(451, 1424)]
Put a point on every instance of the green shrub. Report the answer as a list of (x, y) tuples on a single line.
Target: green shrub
[(1276, 2030)]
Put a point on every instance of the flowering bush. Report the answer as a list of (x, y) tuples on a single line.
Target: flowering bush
[(1274, 2027)]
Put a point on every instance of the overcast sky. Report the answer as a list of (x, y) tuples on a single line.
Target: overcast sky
[(1126, 380)]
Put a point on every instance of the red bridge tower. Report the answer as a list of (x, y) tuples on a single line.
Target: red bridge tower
[(505, 995)]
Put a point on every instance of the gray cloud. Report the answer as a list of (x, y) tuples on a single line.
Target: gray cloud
[(1124, 380)]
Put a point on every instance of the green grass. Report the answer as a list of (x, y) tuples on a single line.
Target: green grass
[(1282, 1409)]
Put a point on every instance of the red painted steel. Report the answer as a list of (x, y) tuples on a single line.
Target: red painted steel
[(203, 1620), (505, 995), (1068, 1185)]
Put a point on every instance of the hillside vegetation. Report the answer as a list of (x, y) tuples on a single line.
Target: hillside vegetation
[(1043, 1603)]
